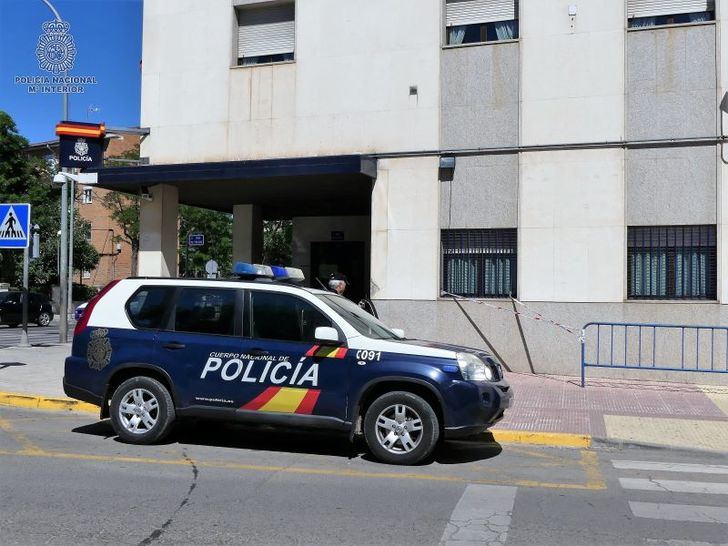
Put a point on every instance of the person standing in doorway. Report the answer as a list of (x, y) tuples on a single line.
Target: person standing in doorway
[(338, 283)]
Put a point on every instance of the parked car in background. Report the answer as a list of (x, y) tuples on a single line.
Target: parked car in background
[(40, 310)]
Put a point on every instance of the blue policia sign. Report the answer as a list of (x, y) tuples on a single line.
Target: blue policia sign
[(14, 225)]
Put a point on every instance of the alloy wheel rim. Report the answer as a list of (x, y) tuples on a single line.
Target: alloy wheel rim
[(399, 429), (139, 411), (45, 319)]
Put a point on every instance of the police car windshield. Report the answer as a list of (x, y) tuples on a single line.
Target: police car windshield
[(360, 320)]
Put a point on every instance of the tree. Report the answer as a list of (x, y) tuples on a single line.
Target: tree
[(124, 210), (277, 235), (217, 227), (25, 179)]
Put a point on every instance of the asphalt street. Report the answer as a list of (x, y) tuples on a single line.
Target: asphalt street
[(66, 479), (37, 335)]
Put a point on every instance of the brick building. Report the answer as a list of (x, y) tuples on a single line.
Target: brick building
[(115, 253)]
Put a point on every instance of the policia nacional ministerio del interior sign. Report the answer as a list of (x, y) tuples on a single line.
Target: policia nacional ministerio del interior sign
[(81, 144)]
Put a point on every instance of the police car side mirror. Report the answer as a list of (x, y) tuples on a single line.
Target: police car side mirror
[(327, 335), (398, 332)]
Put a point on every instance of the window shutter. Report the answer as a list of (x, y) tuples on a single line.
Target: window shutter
[(656, 8), (469, 12), (266, 31)]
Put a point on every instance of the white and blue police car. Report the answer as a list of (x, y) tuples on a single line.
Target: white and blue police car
[(261, 349)]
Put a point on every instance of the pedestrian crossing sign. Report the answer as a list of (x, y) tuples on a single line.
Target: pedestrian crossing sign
[(14, 225)]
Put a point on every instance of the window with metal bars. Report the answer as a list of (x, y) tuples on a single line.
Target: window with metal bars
[(479, 263), (671, 262)]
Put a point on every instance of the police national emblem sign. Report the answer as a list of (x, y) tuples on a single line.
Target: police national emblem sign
[(56, 49)]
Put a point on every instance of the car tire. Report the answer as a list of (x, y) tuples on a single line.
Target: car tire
[(44, 319), (142, 411), (401, 428)]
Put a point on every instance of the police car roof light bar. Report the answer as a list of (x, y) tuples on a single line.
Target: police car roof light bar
[(252, 271)]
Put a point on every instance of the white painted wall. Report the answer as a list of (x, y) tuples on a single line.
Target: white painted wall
[(311, 229), (571, 236), (158, 233), (405, 229), (572, 71), (571, 203), (346, 92), (722, 228)]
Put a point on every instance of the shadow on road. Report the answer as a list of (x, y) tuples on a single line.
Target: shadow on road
[(263, 438), (4, 365)]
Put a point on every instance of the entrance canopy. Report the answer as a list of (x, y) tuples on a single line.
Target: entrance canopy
[(283, 188)]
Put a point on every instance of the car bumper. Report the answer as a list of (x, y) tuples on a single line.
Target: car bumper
[(81, 394), (486, 405)]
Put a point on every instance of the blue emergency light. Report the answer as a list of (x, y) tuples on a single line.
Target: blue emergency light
[(245, 270)]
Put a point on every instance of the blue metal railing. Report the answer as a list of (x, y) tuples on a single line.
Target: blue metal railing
[(644, 346)]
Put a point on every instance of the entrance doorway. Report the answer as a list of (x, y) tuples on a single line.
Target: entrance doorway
[(347, 257)]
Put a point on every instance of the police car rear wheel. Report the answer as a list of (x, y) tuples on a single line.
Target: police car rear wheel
[(401, 428), (141, 410)]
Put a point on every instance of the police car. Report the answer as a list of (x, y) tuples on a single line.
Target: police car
[(261, 349)]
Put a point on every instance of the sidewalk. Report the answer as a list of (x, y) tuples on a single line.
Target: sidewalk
[(546, 409), (617, 412)]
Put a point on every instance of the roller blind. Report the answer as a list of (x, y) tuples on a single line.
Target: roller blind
[(656, 8), (266, 31), (468, 12)]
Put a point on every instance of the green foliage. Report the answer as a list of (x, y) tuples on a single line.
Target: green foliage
[(83, 292), (25, 179), (217, 228), (277, 235)]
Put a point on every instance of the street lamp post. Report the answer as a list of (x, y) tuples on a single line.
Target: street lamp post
[(64, 279)]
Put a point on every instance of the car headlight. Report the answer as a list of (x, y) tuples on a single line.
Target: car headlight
[(473, 368)]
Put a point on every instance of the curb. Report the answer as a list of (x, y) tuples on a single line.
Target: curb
[(635, 444), (554, 439), (30, 401)]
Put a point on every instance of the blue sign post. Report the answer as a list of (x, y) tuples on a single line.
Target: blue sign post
[(15, 234), (196, 239), (14, 225)]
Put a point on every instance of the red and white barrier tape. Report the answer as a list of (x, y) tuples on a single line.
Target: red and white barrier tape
[(530, 314)]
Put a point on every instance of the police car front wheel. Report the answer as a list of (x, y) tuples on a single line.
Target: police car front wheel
[(141, 410), (401, 428)]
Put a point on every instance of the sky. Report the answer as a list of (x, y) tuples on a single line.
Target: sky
[(108, 39)]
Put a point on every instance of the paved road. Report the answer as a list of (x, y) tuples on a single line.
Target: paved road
[(65, 479), (37, 335)]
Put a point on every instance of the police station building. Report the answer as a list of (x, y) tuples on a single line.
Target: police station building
[(568, 153)]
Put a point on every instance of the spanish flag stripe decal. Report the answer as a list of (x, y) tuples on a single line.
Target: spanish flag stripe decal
[(286, 400), (309, 402), (262, 399), (312, 350), (341, 352)]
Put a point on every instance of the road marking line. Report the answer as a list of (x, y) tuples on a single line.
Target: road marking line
[(679, 512), (21, 439), (674, 486), (670, 467), (481, 516), (590, 485)]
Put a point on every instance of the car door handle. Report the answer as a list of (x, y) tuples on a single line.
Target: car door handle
[(173, 345), (258, 352)]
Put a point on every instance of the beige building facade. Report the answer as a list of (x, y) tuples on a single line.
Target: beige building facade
[(567, 154)]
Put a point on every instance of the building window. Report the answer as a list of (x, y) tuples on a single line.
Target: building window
[(652, 13), (89, 235), (479, 263), (266, 34), (86, 274), (671, 262), (476, 21), (87, 196)]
